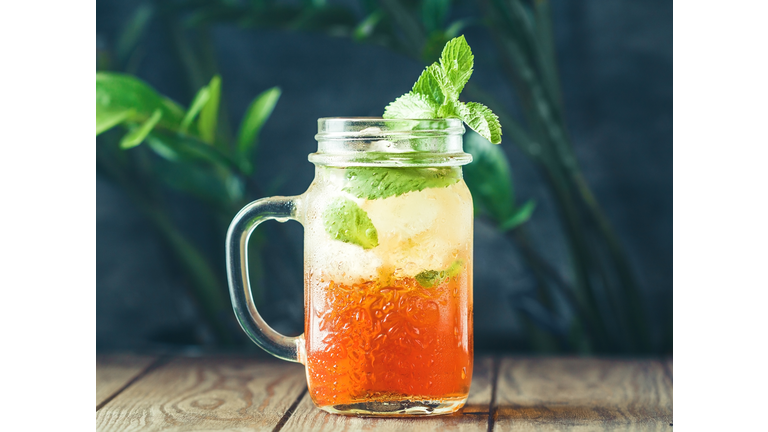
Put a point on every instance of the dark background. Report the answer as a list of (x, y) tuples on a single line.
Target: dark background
[(615, 61)]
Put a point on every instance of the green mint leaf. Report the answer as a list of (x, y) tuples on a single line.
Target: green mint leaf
[(411, 106), (453, 109), (376, 183), (436, 93), (344, 220), (483, 121), (136, 136), (457, 62), (431, 278), (434, 84)]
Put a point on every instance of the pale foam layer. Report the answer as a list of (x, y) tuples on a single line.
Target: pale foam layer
[(417, 231)]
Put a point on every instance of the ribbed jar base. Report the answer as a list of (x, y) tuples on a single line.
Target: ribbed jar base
[(403, 408)]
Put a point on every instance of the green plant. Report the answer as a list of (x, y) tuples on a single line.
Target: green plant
[(182, 149)]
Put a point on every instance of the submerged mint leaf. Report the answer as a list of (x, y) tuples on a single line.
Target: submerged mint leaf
[(427, 278), (376, 183), (431, 278), (344, 220), (411, 106)]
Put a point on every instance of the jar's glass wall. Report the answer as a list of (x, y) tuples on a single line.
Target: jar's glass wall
[(388, 279)]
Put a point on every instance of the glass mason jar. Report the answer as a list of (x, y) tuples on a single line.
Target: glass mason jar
[(387, 268)]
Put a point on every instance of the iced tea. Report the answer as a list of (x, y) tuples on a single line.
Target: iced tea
[(388, 316)]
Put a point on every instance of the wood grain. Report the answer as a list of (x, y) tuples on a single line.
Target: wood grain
[(254, 394), (578, 394), (114, 371), (211, 393), (474, 416)]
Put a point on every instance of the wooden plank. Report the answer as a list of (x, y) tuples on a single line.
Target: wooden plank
[(115, 371), (569, 394), (474, 417), (212, 393), (668, 364)]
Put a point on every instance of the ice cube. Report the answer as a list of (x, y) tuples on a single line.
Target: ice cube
[(402, 217), (422, 230), (339, 261)]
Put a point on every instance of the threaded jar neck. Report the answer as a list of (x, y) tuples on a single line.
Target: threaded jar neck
[(374, 141)]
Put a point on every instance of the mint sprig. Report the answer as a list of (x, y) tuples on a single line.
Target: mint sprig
[(436, 93)]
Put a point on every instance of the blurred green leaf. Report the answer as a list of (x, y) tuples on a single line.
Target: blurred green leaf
[(489, 177), (128, 99), (200, 181), (457, 26), (255, 117), (434, 13), (523, 214), (106, 120), (432, 48), (201, 98), (546, 52), (209, 114), (185, 149), (365, 29), (271, 16), (137, 135), (133, 31), (314, 3), (333, 20)]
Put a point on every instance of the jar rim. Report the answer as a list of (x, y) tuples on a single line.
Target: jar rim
[(376, 141), (329, 128)]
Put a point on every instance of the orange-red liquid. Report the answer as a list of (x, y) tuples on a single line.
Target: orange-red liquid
[(389, 341)]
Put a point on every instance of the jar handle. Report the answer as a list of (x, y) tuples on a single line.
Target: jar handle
[(240, 230)]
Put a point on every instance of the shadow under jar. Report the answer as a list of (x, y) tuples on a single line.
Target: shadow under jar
[(387, 268)]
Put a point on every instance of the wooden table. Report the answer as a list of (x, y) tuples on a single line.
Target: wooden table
[(254, 393)]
